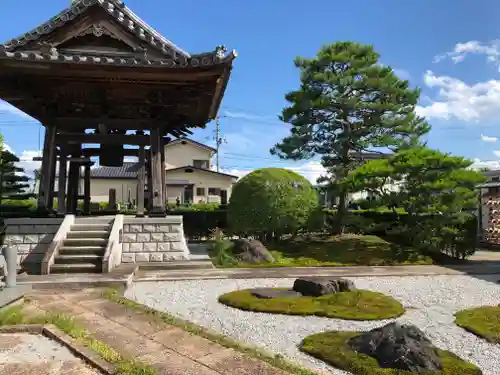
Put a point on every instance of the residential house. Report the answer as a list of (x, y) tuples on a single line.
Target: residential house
[(328, 199), (189, 176)]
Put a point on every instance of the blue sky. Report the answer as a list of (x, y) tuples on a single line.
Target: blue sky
[(448, 48)]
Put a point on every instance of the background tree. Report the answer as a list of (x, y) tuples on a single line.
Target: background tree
[(271, 202), (437, 191), (13, 182), (347, 104)]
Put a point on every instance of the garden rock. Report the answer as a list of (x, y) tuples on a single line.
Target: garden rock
[(398, 346), (252, 251), (320, 286), (268, 293)]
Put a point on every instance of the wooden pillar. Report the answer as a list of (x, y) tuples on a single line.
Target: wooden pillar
[(163, 176), (86, 190), (141, 175), (150, 181), (73, 184), (61, 184), (48, 164), (156, 169)]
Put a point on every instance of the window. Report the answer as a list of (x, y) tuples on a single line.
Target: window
[(213, 191), (495, 179), (200, 191), (200, 164)]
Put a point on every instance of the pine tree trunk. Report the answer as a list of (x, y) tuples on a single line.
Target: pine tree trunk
[(340, 222)]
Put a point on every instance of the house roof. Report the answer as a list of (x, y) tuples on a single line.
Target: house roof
[(126, 171), (130, 171), (193, 142), (174, 56), (201, 170)]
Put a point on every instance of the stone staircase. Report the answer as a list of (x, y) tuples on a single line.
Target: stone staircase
[(83, 249)]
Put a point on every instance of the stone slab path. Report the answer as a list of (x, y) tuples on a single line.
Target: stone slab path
[(169, 349), (29, 354), (479, 266)]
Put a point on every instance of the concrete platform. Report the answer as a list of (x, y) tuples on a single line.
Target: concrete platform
[(11, 296)]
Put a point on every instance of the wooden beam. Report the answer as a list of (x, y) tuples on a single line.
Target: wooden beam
[(94, 122), (138, 140)]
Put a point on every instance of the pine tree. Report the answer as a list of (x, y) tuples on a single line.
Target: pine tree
[(13, 182), (348, 104)]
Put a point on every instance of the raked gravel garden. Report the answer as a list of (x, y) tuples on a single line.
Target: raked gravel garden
[(430, 304)]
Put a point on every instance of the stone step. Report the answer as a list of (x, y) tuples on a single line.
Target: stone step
[(78, 259), (85, 242), (178, 265), (90, 227), (82, 250), (95, 220), (88, 234), (76, 268)]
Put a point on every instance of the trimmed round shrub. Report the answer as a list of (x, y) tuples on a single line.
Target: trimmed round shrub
[(272, 201)]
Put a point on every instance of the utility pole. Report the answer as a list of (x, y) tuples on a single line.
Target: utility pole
[(218, 140)]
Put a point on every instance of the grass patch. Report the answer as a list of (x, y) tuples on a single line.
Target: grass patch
[(332, 348), (482, 321), (332, 251), (353, 305), (68, 325), (277, 361)]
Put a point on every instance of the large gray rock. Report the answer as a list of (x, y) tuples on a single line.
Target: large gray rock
[(252, 251), (320, 286), (268, 293), (398, 346)]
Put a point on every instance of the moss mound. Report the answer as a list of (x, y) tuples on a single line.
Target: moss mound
[(332, 348), (353, 305), (482, 321)]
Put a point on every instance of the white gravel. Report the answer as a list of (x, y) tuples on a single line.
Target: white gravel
[(431, 303)]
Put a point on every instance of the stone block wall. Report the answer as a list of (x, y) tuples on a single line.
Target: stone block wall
[(153, 240), (31, 237)]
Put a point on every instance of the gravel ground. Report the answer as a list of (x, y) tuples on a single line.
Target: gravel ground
[(430, 302), (35, 354)]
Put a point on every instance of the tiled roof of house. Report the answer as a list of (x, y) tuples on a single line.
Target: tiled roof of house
[(126, 171), (130, 170)]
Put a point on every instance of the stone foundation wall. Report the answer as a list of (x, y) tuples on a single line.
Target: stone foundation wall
[(31, 238), (153, 240)]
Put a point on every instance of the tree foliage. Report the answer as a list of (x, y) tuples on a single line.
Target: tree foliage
[(348, 103), (13, 183), (437, 190), (271, 201)]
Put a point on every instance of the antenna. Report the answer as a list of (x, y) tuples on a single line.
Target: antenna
[(218, 140)]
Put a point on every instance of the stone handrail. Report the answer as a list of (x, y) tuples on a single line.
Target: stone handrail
[(113, 253), (53, 250)]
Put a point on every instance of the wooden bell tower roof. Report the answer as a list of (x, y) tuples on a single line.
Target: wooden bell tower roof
[(97, 62)]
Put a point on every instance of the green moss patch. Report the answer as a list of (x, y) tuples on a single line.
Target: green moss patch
[(353, 305), (334, 251), (332, 347), (482, 321)]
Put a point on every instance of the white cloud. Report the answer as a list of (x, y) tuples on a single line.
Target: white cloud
[(485, 138), (247, 116), (403, 74), (491, 164), (310, 170), (7, 108), (491, 50), (497, 153), (456, 99)]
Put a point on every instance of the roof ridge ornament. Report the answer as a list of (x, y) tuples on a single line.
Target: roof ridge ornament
[(220, 51)]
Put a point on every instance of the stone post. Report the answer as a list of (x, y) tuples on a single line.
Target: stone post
[(158, 209), (10, 255)]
